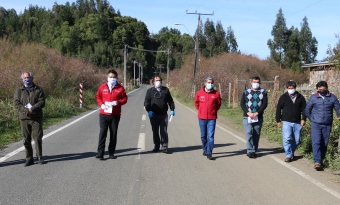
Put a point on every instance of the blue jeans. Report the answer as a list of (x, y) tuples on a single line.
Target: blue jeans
[(320, 138), (207, 128), (290, 136), (252, 131)]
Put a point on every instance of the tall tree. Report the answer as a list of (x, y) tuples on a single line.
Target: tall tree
[(231, 41), (220, 39), (210, 35), (308, 43), (279, 33), (292, 57)]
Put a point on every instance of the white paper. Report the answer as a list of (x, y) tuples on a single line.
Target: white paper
[(108, 107), (256, 119), (28, 106), (170, 118)]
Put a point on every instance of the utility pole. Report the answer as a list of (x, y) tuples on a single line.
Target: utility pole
[(125, 65), (197, 33), (167, 69), (134, 73)]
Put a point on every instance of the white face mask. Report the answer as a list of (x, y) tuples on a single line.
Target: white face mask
[(291, 91), (255, 85), (158, 84), (112, 81)]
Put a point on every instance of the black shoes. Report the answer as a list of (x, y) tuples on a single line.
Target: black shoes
[(155, 150), (41, 160), (112, 156), (29, 163), (210, 157), (204, 154), (99, 157), (251, 155)]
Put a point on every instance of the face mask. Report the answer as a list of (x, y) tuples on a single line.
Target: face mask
[(255, 85), (158, 84), (323, 92), (291, 91), (28, 81), (112, 81), (209, 86)]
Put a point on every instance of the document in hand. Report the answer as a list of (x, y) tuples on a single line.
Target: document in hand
[(256, 119), (28, 106), (108, 107)]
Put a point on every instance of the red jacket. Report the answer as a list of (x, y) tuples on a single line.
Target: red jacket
[(117, 94), (207, 104)]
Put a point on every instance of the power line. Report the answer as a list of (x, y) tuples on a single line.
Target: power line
[(151, 51)]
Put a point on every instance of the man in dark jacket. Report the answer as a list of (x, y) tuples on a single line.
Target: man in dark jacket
[(157, 101), (29, 100), (253, 103), (207, 102), (110, 97), (319, 110), (290, 116)]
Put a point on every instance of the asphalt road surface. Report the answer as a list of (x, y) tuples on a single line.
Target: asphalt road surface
[(72, 174)]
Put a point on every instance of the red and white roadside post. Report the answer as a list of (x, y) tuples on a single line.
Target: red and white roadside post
[(81, 95)]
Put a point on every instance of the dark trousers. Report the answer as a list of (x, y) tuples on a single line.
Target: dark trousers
[(108, 122), (159, 124), (29, 129), (320, 138)]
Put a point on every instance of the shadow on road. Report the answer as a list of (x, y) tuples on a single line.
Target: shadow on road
[(261, 152)]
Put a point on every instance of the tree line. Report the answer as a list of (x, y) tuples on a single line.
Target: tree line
[(292, 47), (94, 31)]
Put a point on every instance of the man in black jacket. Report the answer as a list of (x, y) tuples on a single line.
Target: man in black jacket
[(29, 100), (290, 116), (156, 103)]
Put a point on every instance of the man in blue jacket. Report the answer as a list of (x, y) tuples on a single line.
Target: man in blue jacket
[(319, 110)]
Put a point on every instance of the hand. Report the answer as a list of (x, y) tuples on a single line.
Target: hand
[(150, 113), (103, 107), (279, 124), (303, 123), (172, 112), (251, 115), (114, 103)]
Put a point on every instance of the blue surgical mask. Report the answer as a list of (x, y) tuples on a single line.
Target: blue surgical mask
[(112, 81), (210, 86), (28, 81)]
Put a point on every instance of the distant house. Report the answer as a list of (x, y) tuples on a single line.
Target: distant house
[(323, 71)]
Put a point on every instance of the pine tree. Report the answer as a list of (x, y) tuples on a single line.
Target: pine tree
[(278, 44), (308, 43), (292, 54), (220, 43), (231, 41)]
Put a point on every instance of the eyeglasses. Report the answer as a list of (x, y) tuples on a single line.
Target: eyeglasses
[(157, 95)]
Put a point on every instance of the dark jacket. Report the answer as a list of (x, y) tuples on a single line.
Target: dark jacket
[(158, 101), (320, 111), (259, 96), (207, 104), (36, 97), (287, 110)]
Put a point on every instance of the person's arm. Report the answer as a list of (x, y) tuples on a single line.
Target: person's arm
[(303, 106), (17, 103), (99, 97), (264, 103), (41, 102), (279, 108), (147, 101), (219, 101), (196, 101), (337, 107), (243, 103), (309, 107), (124, 98), (171, 102)]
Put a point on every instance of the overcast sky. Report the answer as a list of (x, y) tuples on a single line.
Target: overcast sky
[(252, 21)]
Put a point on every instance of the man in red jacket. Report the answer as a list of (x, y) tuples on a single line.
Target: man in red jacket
[(207, 102), (110, 97)]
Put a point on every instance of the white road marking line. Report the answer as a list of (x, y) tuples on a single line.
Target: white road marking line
[(306, 176), (294, 169), (141, 143), (144, 117), (2, 159)]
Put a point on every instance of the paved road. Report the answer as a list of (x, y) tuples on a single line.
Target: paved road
[(73, 176)]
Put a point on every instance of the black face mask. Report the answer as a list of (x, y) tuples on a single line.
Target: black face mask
[(323, 92)]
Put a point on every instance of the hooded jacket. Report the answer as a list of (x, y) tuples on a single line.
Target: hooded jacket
[(117, 94), (36, 97), (207, 104)]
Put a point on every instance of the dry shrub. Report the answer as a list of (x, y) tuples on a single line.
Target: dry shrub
[(58, 75), (225, 67)]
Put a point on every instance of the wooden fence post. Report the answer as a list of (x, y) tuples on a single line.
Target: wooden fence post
[(275, 92), (235, 93)]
